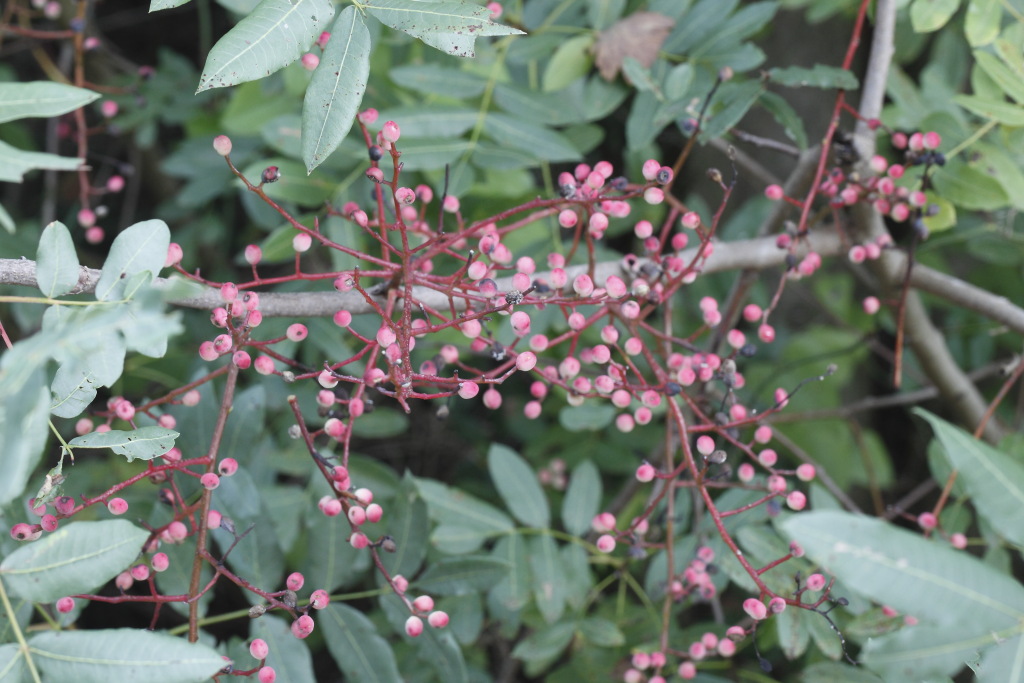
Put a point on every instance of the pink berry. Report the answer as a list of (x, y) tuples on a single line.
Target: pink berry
[(958, 541), (140, 572), (227, 467), (390, 131), (177, 531), (774, 192), (423, 603), (805, 472), (319, 599), (374, 513), (124, 581), (755, 609), (815, 582), (65, 505), (210, 481), (294, 583), (645, 473), (303, 626), (222, 145), (310, 61), (160, 562), (438, 619), (359, 540), (109, 108), (267, 674), (115, 183), (48, 522), (927, 521), (117, 506), (606, 543), (796, 500), (174, 254), (259, 649), (871, 305), (414, 626), (242, 359), (65, 605)]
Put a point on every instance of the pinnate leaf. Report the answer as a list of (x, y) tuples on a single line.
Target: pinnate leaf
[(76, 558), (273, 36), (144, 443), (122, 655), (336, 90)]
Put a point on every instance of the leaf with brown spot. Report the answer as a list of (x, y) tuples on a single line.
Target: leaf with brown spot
[(639, 36)]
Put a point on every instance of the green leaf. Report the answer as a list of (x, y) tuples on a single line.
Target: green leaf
[(157, 5), (603, 13), (546, 643), (360, 653), (994, 480), (460, 575), (336, 89), (582, 499), (41, 99), (784, 114), (123, 654), (76, 558), (451, 27), (517, 483), (6, 222), (1004, 112), (923, 653), (144, 443), (24, 417), (12, 664), (273, 36), (57, 267), (571, 60), (433, 79), (1007, 79), (513, 591), (541, 143), (601, 632), (139, 248), (589, 417), (549, 590), (409, 525), (981, 26), (912, 574), (678, 81), (931, 15), (640, 76), (735, 103), (830, 672), (969, 188), (820, 76), (449, 505), (14, 163), (73, 389)]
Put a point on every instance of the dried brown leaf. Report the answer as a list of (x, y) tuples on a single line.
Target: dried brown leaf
[(639, 36)]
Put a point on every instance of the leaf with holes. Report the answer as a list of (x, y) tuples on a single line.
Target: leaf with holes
[(336, 90), (273, 36)]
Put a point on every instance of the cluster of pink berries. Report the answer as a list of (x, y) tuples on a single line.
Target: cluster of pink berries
[(422, 606)]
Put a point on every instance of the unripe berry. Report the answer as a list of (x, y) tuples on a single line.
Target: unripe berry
[(303, 626), (48, 522), (117, 506), (777, 605), (222, 145), (414, 626), (294, 582), (359, 540), (438, 619), (124, 581), (606, 543), (927, 521), (374, 513), (755, 609), (25, 532), (958, 541), (242, 359), (319, 599), (271, 174), (160, 562), (177, 531), (645, 473), (140, 572), (65, 605), (259, 649), (356, 515), (423, 603), (267, 674), (815, 582), (65, 505), (310, 61), (210, 481), (805, 472), (390, 131)]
